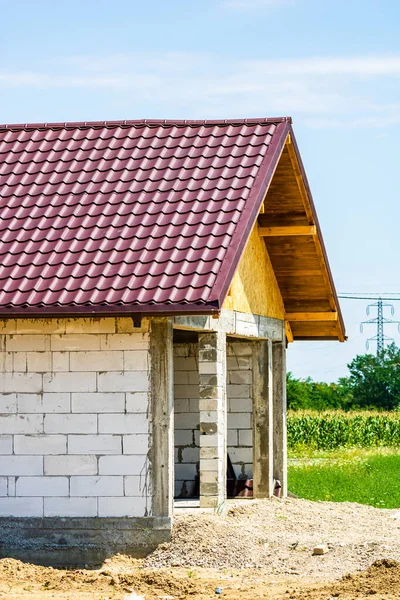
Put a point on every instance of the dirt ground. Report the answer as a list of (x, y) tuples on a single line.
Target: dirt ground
[(254, 550)]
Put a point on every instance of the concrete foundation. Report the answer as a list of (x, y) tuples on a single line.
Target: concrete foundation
[(79, 541)]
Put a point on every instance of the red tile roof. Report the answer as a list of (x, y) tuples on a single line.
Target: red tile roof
[(130, 216)]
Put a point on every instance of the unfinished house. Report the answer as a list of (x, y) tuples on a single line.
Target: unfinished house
[(152, 274)]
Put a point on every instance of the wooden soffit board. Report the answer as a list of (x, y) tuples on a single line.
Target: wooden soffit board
[(289, 226)]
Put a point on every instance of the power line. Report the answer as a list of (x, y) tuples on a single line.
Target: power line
[(380, 338), (376, 297), (373, 293)]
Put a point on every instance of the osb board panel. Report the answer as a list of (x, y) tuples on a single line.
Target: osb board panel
[(254, 287)]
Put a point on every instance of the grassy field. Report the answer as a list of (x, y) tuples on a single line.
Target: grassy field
[(345, 457), (362, 475)]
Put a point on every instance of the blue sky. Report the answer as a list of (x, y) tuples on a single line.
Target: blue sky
[(333, 66)]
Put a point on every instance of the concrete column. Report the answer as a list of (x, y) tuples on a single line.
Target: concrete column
[(162, 417), (262, 420), (279, 413), (213, 429)]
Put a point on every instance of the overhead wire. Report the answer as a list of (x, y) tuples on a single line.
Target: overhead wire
[(373, 293), (348, 296), (373, 296)]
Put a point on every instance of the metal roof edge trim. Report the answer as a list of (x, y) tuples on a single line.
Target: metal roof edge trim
[(133, 122), (249, 215), (319, 231), (59, 312)]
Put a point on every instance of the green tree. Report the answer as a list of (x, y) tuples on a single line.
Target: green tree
[(305, 394), (375, 379), (297, 392), (331, 395)]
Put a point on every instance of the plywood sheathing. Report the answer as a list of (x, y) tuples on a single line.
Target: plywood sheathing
[(254, 288)]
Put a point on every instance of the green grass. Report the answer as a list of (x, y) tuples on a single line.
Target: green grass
[(367, 476)]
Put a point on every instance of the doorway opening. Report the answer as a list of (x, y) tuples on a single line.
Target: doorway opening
[(239, 435)]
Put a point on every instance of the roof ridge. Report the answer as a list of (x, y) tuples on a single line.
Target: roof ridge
[(124, 123)]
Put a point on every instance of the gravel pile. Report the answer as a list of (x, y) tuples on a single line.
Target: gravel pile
[(278, 536)]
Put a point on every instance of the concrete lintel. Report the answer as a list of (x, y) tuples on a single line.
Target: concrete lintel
[(237, 324), (193, 323)]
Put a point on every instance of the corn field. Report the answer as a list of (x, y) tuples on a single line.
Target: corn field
[(336, 429)]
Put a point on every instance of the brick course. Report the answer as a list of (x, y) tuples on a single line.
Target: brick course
[(186, 389), (240, 408), (71, 390)]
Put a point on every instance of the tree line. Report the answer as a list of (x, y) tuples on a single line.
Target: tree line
[(373, 383)]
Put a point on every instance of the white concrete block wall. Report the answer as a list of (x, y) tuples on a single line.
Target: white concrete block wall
[(239, 393), (187, 419), (74, 428)]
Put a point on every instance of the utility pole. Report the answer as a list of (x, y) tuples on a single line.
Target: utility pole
[(380, 338)]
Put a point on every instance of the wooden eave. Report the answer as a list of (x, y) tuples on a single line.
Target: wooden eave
[(289, 225)]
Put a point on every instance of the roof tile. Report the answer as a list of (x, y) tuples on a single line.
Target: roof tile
[(128, 216)]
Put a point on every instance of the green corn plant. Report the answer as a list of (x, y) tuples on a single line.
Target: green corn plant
[(332, 430)]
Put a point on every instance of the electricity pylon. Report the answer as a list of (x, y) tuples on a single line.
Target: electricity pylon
[(380, 338)]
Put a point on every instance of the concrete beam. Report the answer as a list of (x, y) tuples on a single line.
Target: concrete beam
[(162, 417), (237, 324)]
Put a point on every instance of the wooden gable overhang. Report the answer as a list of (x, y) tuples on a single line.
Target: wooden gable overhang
[(289, 225)]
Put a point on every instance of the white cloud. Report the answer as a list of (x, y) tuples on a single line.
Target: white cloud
[(246, 5), (385, 119), (43, 80), (370, 66), (322, 91)]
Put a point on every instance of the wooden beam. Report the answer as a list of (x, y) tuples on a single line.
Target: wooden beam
[(299, 179), (289, 333), (307, 207), (263, 205), (292, 230), (312, 316)]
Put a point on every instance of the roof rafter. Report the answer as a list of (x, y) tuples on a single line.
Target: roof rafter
[(289, 332), (312, 316), (287, 231)]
